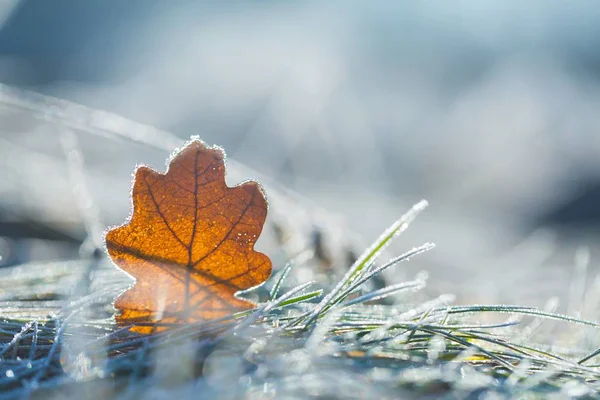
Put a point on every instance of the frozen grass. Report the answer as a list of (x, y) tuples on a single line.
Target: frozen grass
[(300, 341)]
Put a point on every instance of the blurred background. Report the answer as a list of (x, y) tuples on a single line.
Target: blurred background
[(489, 110)]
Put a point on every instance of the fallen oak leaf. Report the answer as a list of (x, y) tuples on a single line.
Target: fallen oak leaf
[(189, 242)]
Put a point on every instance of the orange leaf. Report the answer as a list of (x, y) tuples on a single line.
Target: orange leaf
[(189, 242)]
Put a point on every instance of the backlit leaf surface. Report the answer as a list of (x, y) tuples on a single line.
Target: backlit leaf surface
[(189, 242)]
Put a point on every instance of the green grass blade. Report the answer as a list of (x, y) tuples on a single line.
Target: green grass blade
[(368, 257), (279, 280), (385, 292)]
